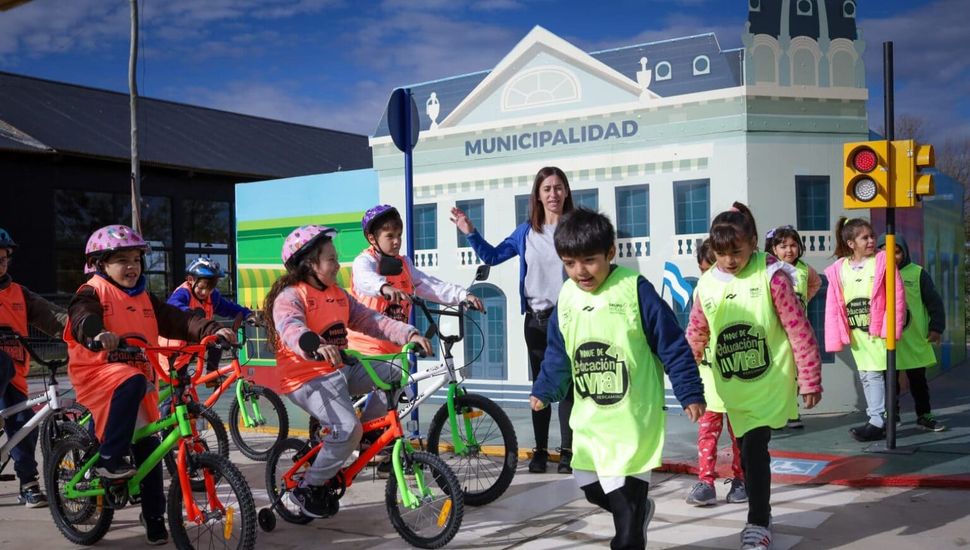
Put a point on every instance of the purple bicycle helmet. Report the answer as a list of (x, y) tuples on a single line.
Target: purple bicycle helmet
[(376, 212)]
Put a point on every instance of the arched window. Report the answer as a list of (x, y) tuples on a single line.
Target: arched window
[(848, 9), (764, 63), (662, 71), (843, 70), (540, 86), (804, 68), (485, 342), (702, 65)]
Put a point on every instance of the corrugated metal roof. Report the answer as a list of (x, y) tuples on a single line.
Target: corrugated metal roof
[(73, 119), (725, 72)]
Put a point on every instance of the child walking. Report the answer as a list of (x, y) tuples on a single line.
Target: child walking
[(20, 309), (383, 280), (786, 245), (712, 424), (611, 337), (855, 314), (115, 387), (747, 312), (924, 325), (307, 299)]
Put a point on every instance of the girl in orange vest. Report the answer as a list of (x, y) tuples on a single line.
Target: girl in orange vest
[(115, 386), (383, 280), (19, 308), (307, 299)]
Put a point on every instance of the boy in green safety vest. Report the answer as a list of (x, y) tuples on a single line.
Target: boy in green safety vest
[(612, 337), (925, 322)]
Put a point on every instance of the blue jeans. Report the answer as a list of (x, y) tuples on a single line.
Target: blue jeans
[(23, 453), (874, 387)]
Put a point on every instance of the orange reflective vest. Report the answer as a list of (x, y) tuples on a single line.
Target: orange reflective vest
[(13, 314), (368, 345), (327, 314), (96, 375), (194, 304)]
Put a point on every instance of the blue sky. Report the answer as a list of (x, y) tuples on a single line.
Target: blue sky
[(333, 63)]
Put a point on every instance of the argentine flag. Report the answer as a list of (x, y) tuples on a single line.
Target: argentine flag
[(680, 289)]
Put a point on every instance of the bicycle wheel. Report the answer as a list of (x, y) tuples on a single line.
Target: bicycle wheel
[(437, 517), (229, 511), (84, 520), (58, 425), (486, 469), (280, 460), (257, 442), (210, 437)]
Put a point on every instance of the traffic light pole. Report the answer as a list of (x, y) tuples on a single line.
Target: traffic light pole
[(891, 398)]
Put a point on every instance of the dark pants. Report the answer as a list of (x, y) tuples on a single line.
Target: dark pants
[(756, 463), (23, 453), (918, 388), (535, 342), (122, 418), (629, 507)]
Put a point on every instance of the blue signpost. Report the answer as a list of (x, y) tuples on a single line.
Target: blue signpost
[(403, 125)]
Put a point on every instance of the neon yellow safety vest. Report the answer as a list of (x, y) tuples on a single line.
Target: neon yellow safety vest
[(868, 351), (913, 351), (618, 386), (801, 282), (753, 364)]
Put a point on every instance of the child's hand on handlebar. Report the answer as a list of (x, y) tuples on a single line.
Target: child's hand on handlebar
[(228, 334), (331, 354), (109, 341), (475, 302), (393, 295), (422, 343)]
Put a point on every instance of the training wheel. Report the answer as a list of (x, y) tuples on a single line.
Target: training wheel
[(266, 519)]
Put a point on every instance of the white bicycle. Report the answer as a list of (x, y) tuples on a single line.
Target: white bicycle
[(18, 347)]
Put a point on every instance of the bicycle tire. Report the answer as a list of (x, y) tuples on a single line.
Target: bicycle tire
[(251, 449), (59, 424), (72, 452), (447, 491), (218, 430), (230, 477), (274, 473), (483, 480)]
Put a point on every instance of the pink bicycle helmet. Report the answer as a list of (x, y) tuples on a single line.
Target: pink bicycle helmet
[(114, 238), (302, 239)]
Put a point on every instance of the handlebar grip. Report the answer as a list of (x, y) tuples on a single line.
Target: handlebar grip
[(309, 342)]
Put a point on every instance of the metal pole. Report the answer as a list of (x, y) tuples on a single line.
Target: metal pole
[(133, 97), (409, 225), (887, 52)]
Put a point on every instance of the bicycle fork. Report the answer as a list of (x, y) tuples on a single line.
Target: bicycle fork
[(462, 445), (249, 420)]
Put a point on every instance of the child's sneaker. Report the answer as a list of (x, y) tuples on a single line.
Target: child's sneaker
[(738, 492), (868, 432), (122, 470), (565, 461), (385, 467), (702, 494), (796, 423), (313, 500), (927, 422), (31, 496), (155, 532), (755, 537), (539, 462)]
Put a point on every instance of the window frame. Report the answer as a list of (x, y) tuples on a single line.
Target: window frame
[(623, 232)]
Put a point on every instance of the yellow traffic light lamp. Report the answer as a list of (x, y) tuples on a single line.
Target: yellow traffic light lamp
[(911, 185), (867, 173)]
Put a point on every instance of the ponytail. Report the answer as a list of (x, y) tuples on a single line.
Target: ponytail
[(847, 229)]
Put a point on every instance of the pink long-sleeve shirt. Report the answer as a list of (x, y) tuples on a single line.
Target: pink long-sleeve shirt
[(808, 360)]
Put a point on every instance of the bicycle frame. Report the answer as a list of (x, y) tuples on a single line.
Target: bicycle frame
[(233, 374), (52, 401)]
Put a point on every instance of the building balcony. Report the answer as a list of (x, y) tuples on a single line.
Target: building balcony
[(426, 259), (817, 243), (686, 245), (633, 248), (467, 257)]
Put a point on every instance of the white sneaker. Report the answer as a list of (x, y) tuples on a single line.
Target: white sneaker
[(755, 537)]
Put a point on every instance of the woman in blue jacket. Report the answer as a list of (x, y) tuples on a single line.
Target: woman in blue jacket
[(540, 279)]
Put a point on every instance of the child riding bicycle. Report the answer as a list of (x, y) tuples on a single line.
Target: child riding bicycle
[(307, 299), (115, 384), (19, 308)]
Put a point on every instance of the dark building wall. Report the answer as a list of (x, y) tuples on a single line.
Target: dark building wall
[(29, 210)]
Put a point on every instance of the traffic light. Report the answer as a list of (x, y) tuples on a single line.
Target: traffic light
[(910, 185), (867, 174)]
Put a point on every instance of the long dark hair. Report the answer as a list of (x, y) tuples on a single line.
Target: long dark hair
[(537, 214), (847, 229), (303, 271), (732, 227), (778, 235)]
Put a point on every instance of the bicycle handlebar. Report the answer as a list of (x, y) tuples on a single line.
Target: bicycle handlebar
[(310, 343), (7, 333)]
